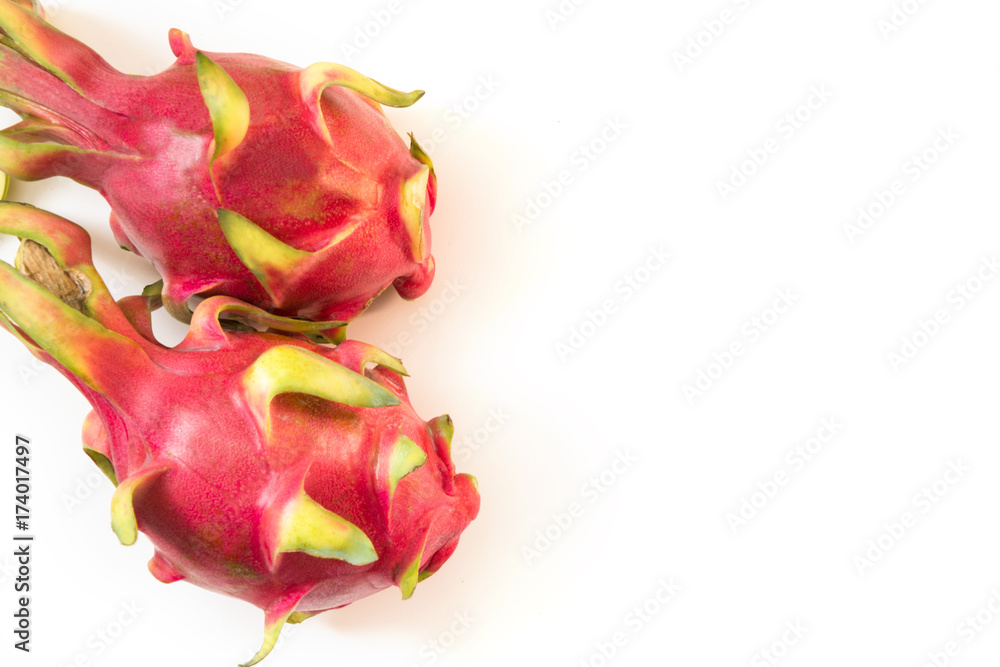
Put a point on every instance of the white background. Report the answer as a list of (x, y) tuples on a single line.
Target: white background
[(576, 390)]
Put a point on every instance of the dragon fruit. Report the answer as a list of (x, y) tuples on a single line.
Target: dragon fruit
[(292, 475), (233, 174)]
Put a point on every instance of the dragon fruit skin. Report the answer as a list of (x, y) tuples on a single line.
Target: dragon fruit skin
[(291, 475), (233, 174)]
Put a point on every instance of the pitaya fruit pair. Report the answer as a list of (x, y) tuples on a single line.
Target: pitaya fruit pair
[(233, 174), (291, 475)]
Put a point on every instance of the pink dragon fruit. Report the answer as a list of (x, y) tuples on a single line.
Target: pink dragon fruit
[(291, 475), (233, 174)]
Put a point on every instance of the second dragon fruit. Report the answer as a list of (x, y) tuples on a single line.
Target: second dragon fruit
[(291, 475)]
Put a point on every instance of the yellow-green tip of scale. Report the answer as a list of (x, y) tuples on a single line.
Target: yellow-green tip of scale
[(123, 521), (313, 80), (308, 527), (287, 369), (405, 458), (227, 105), (413, 199)]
